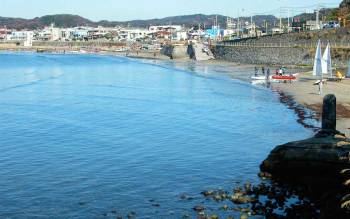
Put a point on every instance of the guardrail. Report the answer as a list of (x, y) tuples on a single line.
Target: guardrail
[(281, 45)]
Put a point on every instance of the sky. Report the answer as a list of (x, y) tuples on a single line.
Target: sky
[(124, 10)]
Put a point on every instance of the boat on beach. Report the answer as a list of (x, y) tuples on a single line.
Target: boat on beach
[(262, 77), (284, 77)]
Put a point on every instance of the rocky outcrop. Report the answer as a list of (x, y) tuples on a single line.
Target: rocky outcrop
[(322, 156), (318, 156)]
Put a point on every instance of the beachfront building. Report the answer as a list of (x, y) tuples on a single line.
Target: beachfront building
[(130, 34), (179, 35), (214, 33), (50, 33), (168, 28), (19, 35), (66, 34), (28, 42), (277, 30), (313, 25), (3, 33), (81, 33)]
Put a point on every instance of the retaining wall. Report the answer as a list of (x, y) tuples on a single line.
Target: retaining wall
[(276, 55)]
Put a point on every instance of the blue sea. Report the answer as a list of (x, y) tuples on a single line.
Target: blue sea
[(88, 136)]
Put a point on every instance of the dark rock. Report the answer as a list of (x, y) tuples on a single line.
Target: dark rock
[(131, 214), (244, 216), (311, 157), (265, 175), (214, 217), (186, 197), (208, 193), (199, 208)]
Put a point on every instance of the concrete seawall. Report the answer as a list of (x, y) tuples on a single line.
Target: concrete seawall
[(194, 51), (276, 55)]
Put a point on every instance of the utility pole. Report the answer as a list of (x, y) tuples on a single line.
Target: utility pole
[(238, 25), (288, 20), (251, 26), (280, 19), (318, 18)]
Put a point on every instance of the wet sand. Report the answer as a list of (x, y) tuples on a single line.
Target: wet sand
[(304, 92)]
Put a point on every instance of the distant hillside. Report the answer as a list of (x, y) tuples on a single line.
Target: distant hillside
[(61, 20), (67, 20)]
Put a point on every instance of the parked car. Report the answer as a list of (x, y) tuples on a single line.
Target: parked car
[(331, 25)]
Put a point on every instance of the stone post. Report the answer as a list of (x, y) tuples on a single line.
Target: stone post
[(329, 115)]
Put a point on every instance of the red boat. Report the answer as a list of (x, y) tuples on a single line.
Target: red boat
[(284, 77)]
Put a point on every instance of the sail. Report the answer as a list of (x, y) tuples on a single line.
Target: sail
[(327, 61), (317, 71)]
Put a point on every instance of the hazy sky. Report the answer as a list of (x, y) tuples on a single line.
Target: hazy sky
[(121, 10)]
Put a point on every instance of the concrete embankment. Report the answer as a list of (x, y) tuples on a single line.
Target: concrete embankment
[(61, 46), (274, 54), (286, 49), (196, 51), (175, 51)]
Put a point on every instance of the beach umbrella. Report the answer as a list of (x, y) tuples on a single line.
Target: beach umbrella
[(317, 70), (327, 61)]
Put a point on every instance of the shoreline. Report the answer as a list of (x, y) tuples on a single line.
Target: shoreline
[(296, 96), (288, 98), (305, 93)]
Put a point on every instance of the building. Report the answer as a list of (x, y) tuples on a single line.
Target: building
[(19, 35), (230, 24), (129, 34), (168, 28), (277, 30), (3, 33), (50, 33), (28, 42), (313, 25), (179, 35)]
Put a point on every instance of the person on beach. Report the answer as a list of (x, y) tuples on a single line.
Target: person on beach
[(256, 71), (268, 74), (280, 71), (320, 87), (263, 70)]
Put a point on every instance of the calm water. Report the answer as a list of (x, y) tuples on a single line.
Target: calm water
[(81, 136)]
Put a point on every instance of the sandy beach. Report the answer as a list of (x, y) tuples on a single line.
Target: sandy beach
[(304, 92)]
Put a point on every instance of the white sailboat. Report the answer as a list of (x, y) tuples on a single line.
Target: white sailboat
[(327, 62), (317, 70)]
